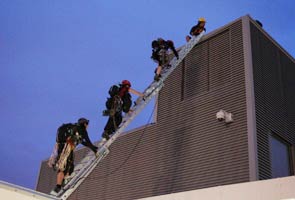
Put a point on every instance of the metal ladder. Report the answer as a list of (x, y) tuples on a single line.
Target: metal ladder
[(90, 161)]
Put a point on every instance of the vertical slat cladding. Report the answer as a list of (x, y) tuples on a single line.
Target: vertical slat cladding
[(274, 88), (188, 148)]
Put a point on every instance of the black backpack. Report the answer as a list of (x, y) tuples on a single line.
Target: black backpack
[(114, 90), (115, 103), (63, 132), (126, 99)]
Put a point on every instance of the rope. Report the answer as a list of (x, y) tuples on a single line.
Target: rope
[(115, 105)]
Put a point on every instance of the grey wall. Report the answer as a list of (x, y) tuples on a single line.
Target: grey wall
[(274, 86), (187, 148)]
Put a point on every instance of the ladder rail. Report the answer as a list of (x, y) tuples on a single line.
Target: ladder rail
[(152, 90), (79, 178), (129, 118)]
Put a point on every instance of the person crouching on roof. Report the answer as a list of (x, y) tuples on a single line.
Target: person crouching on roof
[(197, 29)]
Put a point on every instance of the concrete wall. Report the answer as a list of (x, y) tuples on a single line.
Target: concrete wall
[(275, 189), (13, 192)]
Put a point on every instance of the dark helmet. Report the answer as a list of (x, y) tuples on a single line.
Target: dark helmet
[(161, 41), (82, 121), (155, 44), (170, 43), (126, 82)]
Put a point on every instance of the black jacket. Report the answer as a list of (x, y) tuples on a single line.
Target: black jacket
[(196, 30), (158, 45), (84, 138)]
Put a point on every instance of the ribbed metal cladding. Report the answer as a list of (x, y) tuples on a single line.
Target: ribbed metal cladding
[(206, 70), (274, 83), (211, 145), (196, 71), (187, 148)]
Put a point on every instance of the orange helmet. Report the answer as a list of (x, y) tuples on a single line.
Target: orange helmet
[(126, 82), (202, 19)]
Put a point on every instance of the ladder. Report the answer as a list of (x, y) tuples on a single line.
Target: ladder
[(90, 161)]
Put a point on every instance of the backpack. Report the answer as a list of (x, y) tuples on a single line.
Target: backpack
[(155, 55), (63, 132), (124, 104), (114, 90)]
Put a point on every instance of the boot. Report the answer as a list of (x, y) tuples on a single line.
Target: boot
[(56, 190), (157, 77), (106, 135)]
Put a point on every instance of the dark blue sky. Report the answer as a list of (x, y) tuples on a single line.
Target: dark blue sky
[(59, 57)]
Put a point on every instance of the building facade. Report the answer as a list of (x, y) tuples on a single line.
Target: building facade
[(238, 68)]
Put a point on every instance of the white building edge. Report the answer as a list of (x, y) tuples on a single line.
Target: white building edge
[(272, 189), (10, 191)]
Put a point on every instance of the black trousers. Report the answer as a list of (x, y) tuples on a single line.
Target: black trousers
[(113, 123)]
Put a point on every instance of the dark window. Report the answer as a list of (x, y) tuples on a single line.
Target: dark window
[(279, 157)]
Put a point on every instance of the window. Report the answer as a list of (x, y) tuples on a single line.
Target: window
[(280, 154)]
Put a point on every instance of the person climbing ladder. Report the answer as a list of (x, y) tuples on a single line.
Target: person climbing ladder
[(67, 138), (118, 102), (160, 55)]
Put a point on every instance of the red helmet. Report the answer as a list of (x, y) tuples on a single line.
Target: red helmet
[(126, 82)]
